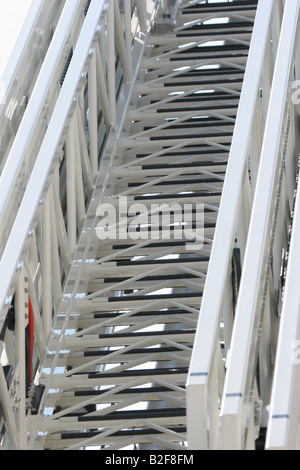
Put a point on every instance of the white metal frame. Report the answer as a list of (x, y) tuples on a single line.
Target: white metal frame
[(283, 423), (51, 178), (104, 265)]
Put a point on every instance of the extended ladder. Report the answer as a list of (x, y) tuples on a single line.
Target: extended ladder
[(119, 351)]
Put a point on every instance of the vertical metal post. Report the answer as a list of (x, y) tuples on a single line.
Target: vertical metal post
[(46, 267), (60, 225), (166, 7), (265, 353), (228, 312), (93, 114), (141, 10), (244, 216), (85, 162), (128, 38), (214, 429), (103, 44), (255, 147), (276, 25), (111, 64), (102, 89), (121, 43), (79, 182), (33, 255), (20, 381), (38, 327)]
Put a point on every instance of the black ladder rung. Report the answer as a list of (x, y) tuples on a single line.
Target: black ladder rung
[(202, 150), (196, 124), (158, 277), (171, 311), (189, 136), (204, 82), (211, 55), (213, 96), (136, 414), (162, 349), (137, 334), (177, 182), (220, 7), (197, 108), (127, 432), (137, 372)]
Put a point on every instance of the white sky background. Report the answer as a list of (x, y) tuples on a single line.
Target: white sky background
[(12, 15)]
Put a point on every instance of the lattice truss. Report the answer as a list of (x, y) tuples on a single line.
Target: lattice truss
[(119, 353)]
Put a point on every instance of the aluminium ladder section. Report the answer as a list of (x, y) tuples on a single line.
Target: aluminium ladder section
[(119, 352)]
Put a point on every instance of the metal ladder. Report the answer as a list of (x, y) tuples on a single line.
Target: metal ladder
[(119, 351)]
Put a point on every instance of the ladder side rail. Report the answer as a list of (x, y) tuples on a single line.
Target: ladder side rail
[(217, 295), (23, 66), (241, 402)]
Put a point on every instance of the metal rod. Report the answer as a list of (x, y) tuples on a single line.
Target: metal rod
[(128, 34), (111, 63), (21, 309), (121, 44), (71, 187), (46, 267), (93, 113), (60, 224)]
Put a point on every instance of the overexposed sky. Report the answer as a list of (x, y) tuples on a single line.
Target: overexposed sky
[(12, 15)]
